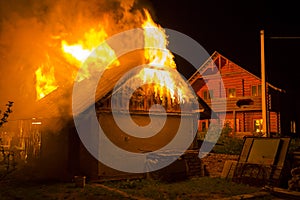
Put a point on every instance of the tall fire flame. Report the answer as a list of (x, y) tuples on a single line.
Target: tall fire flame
[(76, 54), (155, 37), (45, 81), (157, 59)]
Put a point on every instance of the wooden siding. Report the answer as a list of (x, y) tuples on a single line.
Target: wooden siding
[(230, 104), (229, 108), (273, 117), (249, 120)]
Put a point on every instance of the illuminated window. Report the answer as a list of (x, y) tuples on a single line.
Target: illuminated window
[(258, 125), (293, 126), (231, 92), (259, 90), (256, 90)]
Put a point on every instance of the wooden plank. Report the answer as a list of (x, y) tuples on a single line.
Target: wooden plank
[(246, 149), (285, 142), (255, 195), (281, 192), (264, 151), (228, 169)]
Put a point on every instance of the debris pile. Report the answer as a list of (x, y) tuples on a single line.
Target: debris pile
[(294, 182)]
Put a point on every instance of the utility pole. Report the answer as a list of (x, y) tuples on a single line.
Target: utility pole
[(263, 84)]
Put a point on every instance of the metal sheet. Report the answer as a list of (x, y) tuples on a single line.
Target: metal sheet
[(264, 151)]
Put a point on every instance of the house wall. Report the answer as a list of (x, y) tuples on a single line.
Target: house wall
[(57, 151), (90, 167), (234, 76), (138, 145), (274, 117)]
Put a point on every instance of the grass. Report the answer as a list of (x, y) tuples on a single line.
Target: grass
[(22, 184), (194, 188), (191, 189), (54, 191)]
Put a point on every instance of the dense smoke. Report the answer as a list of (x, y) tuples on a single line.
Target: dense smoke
[(31, 32)]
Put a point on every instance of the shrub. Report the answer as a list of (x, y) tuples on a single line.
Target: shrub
[(227, 144)]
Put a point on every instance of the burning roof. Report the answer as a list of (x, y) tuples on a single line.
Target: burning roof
[(58, 44), (32, 35)]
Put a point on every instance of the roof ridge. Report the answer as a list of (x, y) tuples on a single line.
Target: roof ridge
[(218, 53)]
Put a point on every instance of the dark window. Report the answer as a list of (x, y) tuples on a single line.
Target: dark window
[(206, 95), (254, 90)]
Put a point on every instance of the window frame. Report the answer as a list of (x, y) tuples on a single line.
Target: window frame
[(229, 91), (257, 90), (259, 128), (206, 94)]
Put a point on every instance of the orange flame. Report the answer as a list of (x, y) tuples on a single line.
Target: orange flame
[(45, 81), (76, 54), (158, 58), (155, 37), (164, 83)]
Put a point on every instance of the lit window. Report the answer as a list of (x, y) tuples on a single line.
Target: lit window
[(293, 126), (231, 92), (259, 90), (256, 90), (258, 125)]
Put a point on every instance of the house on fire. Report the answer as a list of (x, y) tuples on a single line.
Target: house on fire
[(60, 152), (49, 136), (243, 111)]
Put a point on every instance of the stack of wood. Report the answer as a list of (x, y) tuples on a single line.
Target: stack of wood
[(294, 182)]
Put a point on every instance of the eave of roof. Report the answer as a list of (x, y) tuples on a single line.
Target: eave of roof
[(216, 53)]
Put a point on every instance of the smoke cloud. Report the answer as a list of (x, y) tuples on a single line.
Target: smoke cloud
[(31, 32)]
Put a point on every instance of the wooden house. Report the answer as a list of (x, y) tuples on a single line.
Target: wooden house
[(62, 154), (243, 96)]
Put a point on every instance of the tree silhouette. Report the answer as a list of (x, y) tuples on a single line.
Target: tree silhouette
[(6, 113)]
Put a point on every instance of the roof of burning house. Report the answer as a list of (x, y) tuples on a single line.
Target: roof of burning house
[(59, 102)]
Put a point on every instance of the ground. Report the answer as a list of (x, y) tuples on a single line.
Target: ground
[(23, 185)]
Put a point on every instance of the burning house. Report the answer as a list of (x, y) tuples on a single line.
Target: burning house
[(153, 95)]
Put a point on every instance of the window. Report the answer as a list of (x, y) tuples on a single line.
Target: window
[(203, 125), (259, 90), (256, 90), (231, 92), (258, 125), (293, 126), (207, 94)]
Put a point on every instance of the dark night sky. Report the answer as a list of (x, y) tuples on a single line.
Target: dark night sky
[(233, 29)]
